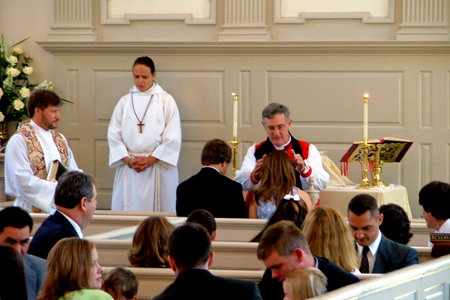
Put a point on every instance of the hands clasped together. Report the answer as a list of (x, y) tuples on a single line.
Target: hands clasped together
[(140, 163)]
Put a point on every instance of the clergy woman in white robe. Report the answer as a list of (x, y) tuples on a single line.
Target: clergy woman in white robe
[(144, 138)]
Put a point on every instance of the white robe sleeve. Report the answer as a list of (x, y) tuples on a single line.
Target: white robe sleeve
[(169, 149), (117, 148), (20, 181), (248, 165), (73, 166), (314, 161)]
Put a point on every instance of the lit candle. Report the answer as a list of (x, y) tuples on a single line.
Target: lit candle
[(235, 114), (366, 117)]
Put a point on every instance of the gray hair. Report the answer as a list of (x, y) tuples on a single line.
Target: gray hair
[(273, 109)]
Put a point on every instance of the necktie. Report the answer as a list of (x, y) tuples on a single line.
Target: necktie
[(364, 261)]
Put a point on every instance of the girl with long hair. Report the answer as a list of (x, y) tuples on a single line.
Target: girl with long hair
[(149, 247), (329, 236), (277, 182)]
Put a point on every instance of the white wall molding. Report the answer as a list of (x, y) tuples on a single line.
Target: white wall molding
[(128, 17), (303, 16), (245, 20), (424, 21), (72, 21), (248, 48)]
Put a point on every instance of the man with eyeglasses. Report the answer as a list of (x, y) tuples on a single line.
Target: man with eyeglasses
[(305, 157)]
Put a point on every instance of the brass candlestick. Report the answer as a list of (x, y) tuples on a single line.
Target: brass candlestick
[(377, 162), (235, 143), (365, 178)]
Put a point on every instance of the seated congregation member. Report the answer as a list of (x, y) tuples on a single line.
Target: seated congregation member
[(15, 228), (329, 236), (12, 276), (73, 272), (304, 156), (289, 210), (396, 225), (149, 247), (76, 201), (304, 284), (204, 218), (283, 248), (190, 257), (377, 254), (435, 200), (210, 189), (277, 181), (121, 284)]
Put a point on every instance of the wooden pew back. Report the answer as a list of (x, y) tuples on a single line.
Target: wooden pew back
[(152, 281), (228, 255)]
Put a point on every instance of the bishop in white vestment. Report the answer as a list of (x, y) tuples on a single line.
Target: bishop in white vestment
[(145, 123)]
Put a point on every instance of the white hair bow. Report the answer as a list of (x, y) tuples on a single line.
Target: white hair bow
[(292, 197)]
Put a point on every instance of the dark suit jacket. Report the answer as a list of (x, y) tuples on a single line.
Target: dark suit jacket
[(272, 289), (210, 190), (392, 256), (35, 268), (53, 229), (200, 284)]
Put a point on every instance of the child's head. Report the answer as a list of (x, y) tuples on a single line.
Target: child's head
[(121, 284), (204, 218), (304, 283)]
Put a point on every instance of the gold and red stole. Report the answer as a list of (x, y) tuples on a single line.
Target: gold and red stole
[(35, 152)]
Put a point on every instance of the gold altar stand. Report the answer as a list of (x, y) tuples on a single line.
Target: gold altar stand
[(339, 197)]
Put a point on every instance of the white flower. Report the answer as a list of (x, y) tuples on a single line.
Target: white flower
[(18, 105), (8, 81), (2, 117), (27, 70), (12, 60), (1, 93), (24, 92), (17, 50), (46, 85), (13, 72)]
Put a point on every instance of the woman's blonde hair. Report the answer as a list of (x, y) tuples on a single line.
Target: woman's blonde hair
[(305, 283), (149, 248), (277, 179), (329, 236), (68, 268)]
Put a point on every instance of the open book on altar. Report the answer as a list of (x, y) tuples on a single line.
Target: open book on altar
[(56, 170), (391, 150)]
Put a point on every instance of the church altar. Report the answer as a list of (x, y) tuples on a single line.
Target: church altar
[(339, 197)]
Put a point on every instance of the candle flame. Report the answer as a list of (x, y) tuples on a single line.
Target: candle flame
[(366, 95), (233, 94)]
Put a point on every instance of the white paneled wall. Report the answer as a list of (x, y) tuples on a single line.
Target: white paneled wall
[(318, 65)]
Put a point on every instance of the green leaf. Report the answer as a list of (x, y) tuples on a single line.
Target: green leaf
[(19, 42), (67, 101)]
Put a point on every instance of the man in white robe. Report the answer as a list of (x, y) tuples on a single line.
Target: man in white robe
[(35, 193), (153, 189)]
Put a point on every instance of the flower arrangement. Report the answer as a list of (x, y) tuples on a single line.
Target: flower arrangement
[(15, 87)]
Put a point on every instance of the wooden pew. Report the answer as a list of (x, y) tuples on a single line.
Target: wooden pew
[(103, 222), (238, 230), (421, 233), (228, 255), (152, 281), (429, 280), (228, 230)]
